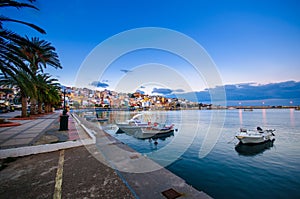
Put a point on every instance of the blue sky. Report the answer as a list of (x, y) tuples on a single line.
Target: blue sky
[(249, 41)]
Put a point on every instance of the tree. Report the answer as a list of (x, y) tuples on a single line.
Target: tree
[(8, 59), (52, 99), (18, 5), (47, 91), (22, 59), (23, 81), (39, 55)]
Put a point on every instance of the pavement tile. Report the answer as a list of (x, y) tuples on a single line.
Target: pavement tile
[(27, 135), (16, 142)]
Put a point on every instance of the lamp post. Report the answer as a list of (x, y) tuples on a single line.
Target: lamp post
[(64, 109), (64, 117)]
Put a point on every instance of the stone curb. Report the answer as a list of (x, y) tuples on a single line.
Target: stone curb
[(30, 150)]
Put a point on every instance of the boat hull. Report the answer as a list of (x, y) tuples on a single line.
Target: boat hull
[(255, 138)]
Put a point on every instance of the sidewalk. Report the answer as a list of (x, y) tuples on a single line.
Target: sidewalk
[(38, 130)]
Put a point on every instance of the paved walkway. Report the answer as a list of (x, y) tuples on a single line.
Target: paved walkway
[(30, 131), (71, 173)]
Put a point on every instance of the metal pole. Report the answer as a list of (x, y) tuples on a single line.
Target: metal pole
[(64, 111)]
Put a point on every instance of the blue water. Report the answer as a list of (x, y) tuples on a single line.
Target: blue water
[(271, 170)]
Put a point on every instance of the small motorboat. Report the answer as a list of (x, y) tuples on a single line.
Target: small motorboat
[(255, 136), (141, 126), (134, 123), (157, 129), (101, 119)]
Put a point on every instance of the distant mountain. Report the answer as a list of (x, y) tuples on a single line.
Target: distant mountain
[(249, 91)]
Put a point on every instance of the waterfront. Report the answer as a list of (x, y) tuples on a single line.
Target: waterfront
[(267, 171)]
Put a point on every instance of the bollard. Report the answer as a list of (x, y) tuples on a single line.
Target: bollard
[(64, 123)]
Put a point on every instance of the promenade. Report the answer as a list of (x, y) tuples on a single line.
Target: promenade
[(78, 163), (27, 133)]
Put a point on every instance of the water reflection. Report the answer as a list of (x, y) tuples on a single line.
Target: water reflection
[(241, 117), (252, 150), (264, 116), (292, 118)]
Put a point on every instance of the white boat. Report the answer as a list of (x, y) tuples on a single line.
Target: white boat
[(134, 123), (255, 136), (141, 127), (157, 129), (154, 131)]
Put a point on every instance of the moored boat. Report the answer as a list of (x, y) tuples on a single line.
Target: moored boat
[(142, 127), (135, 123), (255, 136), (158, 129)]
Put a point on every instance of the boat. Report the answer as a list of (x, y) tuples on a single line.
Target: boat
[(134, 123), (140, 126), (162, 135), (101, 119), (255, 136), (157, 129), (248, 109)]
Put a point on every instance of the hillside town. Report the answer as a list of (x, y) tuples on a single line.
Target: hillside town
[(80, 98)]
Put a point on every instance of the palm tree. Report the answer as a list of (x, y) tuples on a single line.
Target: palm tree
[(8, 58), (18, 5), (39, 55), (52, 99), (23, 81), (21, 58), (10, 62), (46, 87)]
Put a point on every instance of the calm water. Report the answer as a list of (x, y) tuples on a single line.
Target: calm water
[(271, 170)]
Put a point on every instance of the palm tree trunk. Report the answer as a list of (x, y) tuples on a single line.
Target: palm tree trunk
[(24, 106), (47, 108), (40, 107), (32, 106)]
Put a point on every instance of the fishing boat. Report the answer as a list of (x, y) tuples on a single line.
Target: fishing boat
[(134, 123), (141, 127), (157, 129), (153, 134), (255, 136)]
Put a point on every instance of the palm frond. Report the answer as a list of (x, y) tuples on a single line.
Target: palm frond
[(15, 4), (3, 18)]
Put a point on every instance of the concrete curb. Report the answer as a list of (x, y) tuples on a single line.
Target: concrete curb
[(30, 150)]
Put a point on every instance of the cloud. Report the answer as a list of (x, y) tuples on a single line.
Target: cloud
[(163, 91), (125, 70), (178, 91), (253, 91), (99, 84), (167, 92)]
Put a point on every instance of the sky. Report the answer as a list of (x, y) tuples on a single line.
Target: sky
[(255, 41)]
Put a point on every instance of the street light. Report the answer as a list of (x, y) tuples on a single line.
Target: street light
[(64, 109), (64, 118)]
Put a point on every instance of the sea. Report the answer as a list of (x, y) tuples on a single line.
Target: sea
[(227, 169)]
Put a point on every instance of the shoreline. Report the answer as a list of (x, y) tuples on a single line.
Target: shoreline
[(180, 109)]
